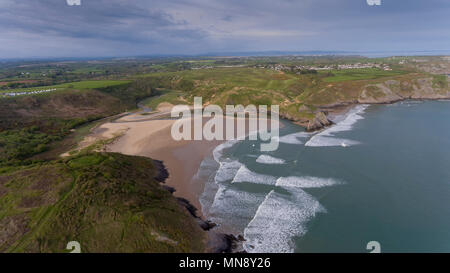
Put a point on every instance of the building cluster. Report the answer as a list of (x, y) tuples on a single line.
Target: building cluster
[(217, 66), (13, 94), (280, 67)]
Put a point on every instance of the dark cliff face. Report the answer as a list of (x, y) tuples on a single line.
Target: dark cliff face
[(320, 121)]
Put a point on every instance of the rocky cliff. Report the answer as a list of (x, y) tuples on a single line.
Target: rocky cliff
[(332, 98)]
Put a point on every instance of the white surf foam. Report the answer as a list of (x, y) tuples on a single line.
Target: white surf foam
[(278, 219), (267, 159), (227, 171), (207, 167), (245, 175), (294, 138), (233, 209), (325, 141), (218, 151), (207, 197), (326, 137), (305, 182)]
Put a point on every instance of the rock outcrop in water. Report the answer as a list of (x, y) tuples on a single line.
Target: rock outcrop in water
[(320, 121)]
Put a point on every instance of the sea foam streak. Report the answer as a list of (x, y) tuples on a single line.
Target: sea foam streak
[(245, 175), (293, 138), (232, 209), (207, 167), (267, 159), (218, 151), (227, 167), (281, 217), (227, 171), (305, 182), (325, 141), (278, 219), (326, 137), (270, 221)]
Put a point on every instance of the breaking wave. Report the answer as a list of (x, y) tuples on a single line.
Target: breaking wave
[(326, 137), (227, 171), (267, 159), (278, 219), (218, 151), (294, 138), (305, 182), (270, 217), (232, 208), (245, 175)]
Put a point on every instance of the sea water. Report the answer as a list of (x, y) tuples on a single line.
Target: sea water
[(382, 173)]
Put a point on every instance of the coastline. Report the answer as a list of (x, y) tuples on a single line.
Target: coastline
[(339, 109), (140, 135), (216, 242), (181, 160)]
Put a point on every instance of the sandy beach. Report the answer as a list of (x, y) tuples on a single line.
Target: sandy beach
[(152, 138), (143, 135)]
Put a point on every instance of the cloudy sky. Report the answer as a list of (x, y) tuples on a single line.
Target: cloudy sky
[(51, 28)]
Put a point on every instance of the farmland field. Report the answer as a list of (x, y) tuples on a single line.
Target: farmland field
[(72, 85), (360, 74)]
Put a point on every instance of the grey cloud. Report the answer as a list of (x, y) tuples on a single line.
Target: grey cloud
[(129, 27), (112, 19)]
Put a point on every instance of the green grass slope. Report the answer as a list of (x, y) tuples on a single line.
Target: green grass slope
[(80, 85), (107, 202), (301, 97), (30, 125)]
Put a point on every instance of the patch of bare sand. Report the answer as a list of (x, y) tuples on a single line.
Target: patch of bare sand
[(164, 106)]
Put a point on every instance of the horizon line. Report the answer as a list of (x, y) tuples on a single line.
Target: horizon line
[(266, 53)]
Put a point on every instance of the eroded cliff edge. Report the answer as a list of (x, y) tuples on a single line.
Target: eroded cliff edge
[(334, 98)]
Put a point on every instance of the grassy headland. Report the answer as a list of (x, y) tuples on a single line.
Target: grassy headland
[(106, 202)]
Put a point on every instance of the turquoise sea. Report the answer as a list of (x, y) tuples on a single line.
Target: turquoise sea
[(382, 173)]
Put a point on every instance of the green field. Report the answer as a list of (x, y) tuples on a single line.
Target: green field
[(72, 85), (359, 74), (230, 77)]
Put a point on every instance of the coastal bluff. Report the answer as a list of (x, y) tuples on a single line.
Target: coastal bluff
[(381, 92)]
